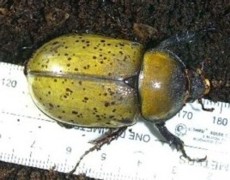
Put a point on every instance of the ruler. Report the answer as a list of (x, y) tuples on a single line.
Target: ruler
[(30, 138)]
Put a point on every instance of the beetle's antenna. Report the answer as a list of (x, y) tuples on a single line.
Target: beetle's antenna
[(107, 138)]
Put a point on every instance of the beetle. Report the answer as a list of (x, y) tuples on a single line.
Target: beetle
[(95, 81)]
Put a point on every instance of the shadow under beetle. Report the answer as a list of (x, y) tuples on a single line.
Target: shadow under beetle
[(95, 81)]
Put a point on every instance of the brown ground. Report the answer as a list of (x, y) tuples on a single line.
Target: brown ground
[(25, 25)]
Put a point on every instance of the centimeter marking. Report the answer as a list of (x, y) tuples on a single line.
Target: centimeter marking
[(30, 138)]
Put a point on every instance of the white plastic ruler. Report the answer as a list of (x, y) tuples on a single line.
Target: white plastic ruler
[(28, 137)]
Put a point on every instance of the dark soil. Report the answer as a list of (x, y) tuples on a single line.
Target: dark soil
[(27, 24)]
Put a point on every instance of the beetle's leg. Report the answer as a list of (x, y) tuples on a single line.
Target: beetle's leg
[(204, 108), (175, 142), (108, 137), (178, 39), (184, 37)]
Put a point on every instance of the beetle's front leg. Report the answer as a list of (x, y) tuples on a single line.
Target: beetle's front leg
[(107, 138), (176, 142), (184, 37)]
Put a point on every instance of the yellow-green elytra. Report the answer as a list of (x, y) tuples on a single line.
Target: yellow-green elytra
[(95, 81)]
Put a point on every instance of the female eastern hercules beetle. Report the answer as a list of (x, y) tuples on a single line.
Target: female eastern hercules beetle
[(95, 81)]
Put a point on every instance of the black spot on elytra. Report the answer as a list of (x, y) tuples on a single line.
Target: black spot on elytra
[(85, 99), (98, 117), (80, 115), (55, 42), (74, 112), (125, 58), (65, 80), (113, 103), (87, 66), (111, 93), (44, 66), (106, 104), (69, 90)]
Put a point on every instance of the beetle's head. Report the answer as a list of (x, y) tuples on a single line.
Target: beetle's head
[(198, 85)]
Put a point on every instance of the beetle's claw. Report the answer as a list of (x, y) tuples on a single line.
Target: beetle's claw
[(176, 142), (203, 107), (179, 145), (184, 154)]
